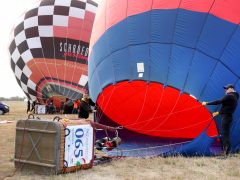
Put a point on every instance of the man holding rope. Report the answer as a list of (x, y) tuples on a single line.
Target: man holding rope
[(85, 107), (229, 103)]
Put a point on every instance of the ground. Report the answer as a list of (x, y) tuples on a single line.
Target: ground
[(123, 168)]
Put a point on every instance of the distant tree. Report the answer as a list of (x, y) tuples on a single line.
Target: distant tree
[(2, 99), (14, 98)]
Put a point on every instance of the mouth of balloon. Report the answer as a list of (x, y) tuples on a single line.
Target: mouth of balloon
[(155, 110), (58, 92)]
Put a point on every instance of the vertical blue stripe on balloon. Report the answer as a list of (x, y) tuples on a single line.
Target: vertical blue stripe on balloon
[(159, 57), (214, 87), (94, 86), (101, 49), (201, 69), (117, 36), (162, 25), (121, 67), (237, 112), (188, 27), (91, 65), (105, 72), (215, 36), (179, 63), (138, 27), (231, 55)]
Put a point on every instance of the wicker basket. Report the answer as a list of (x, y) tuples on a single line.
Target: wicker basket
[(51, 147)]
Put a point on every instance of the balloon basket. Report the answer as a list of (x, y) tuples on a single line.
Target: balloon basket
[(53, 147)]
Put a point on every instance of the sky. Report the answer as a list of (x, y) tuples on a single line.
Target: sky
[(10, 11)]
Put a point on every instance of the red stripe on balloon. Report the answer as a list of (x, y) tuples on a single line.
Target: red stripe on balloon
[(59, 69)]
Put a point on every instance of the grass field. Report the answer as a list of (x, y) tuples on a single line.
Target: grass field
[(123, 168)]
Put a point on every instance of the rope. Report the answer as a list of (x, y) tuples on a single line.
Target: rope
[(166, 145), (159, 102), (154, 147), (99, 115), (186, 109), (166, 118), (76, 62)]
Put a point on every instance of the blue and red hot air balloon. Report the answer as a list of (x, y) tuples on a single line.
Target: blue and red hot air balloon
[(152, 61)]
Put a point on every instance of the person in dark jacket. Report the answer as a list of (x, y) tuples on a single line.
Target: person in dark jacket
[(85, 107), (33, 107), (28, 106), (229, 103)]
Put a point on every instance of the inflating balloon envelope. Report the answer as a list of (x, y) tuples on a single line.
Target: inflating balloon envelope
[(49, 49), (151, 64)]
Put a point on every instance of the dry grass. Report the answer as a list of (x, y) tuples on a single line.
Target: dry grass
[(125, 168)]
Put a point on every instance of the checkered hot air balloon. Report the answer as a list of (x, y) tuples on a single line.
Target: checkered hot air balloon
[(49, 49)]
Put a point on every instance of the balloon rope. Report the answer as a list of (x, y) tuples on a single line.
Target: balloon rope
[(37, 86), (86, 62), (46, 62), (186, 127), (99, 115), (169, 114), (55, 62), (159, 102), (65, 63), (143, 104), (186, 109), (153, 147)]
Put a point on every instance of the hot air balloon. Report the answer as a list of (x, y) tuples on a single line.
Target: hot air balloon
[(152, 62), (49, 49)]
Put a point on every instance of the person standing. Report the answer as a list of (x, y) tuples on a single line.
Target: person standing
[(75, 107), (68, 106), (62, 107), (228, 105), (51, 107), (85, 107), (33, 107), (47, 106), (28, 106)]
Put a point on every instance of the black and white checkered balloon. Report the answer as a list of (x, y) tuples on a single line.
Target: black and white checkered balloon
[(49, 49)]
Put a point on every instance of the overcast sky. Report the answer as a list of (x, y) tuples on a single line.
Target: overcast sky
[(10, 11)]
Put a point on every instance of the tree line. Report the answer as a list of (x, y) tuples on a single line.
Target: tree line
[(14, 98)]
